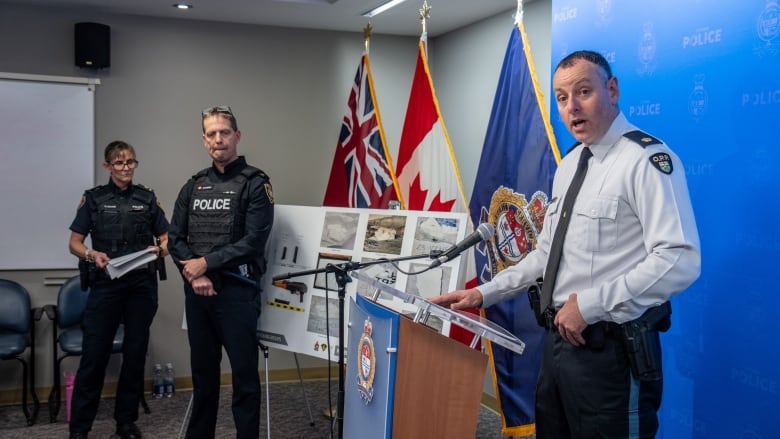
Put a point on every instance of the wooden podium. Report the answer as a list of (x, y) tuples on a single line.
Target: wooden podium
[(405, 380)]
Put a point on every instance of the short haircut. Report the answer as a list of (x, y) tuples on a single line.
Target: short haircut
[(220, 110), (115, 149), (587, 55)]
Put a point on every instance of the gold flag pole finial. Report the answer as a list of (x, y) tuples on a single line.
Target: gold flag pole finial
[(367, 35), (425, 15)]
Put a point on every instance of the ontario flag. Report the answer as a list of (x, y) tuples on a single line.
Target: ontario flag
[(428, 177), (511, 191), (362, 173)]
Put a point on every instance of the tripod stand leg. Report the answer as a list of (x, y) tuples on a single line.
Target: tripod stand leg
[(303, 389), (186, 416), (267, 391)]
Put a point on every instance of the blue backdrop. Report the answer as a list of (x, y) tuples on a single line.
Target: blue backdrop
[(703, 76)]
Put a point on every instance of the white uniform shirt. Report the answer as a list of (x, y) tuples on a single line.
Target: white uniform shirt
[(632, 242)]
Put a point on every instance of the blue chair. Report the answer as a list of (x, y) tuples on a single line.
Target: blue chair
[(67, 334), (17, 333)]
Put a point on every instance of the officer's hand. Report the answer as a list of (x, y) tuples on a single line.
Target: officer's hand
[(193, 268), (203, 286), (570, 323), (101, 259), (460, 299)]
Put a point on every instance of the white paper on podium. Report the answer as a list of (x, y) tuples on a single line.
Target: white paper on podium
[(118, 267)]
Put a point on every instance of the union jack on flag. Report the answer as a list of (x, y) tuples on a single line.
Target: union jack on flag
[(362, 174)]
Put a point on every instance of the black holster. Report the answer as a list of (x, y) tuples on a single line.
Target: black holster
[(534, 299), (87, 273), (643, 343)]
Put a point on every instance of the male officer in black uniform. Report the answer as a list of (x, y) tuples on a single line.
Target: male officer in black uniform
[(121, 218), (220, 225)]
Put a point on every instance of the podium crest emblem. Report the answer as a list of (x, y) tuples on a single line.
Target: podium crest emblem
[(366, 364)]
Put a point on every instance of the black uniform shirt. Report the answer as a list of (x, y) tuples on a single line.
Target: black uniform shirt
[(86, 214)]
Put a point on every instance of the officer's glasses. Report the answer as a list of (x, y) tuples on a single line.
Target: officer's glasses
[(218, 109), (119, 165)]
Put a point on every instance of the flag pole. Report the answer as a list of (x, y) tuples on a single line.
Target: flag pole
[(425, 15)]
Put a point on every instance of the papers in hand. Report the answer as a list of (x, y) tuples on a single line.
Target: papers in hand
[(117, 267)]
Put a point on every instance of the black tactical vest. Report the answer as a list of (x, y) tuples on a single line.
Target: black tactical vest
[(217, 212), (123, 224)]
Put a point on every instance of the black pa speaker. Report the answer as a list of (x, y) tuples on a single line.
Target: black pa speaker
[(93, 45)]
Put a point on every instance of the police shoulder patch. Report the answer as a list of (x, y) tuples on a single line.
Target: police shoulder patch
[(269, 191), (662, 161), (82, 202), (641, 138)]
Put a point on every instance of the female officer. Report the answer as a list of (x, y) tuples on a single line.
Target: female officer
[(121, 218)]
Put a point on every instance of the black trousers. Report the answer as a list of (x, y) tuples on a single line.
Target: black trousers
[(586, 393), (132, 300), (227, 320)]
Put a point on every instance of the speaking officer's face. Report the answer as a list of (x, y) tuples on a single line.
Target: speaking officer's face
[(220, 140), (586, 99)]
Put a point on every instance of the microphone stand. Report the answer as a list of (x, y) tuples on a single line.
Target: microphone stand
[(342, 278)]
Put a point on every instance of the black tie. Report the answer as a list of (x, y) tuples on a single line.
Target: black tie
[(554, 258)]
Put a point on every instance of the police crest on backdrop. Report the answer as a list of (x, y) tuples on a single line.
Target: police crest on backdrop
[(517, 222)]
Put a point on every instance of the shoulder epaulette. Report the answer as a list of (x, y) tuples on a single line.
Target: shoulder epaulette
[(143, 193), (250, 171), (143, 188), (100, 193), (201, 173), (641, 138), (572, 147)]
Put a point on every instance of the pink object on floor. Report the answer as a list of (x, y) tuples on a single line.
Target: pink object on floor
[(70, 378)]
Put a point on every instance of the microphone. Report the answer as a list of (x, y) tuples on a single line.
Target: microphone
[(483, 233)]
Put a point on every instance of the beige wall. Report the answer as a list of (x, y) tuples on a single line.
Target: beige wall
[(288, 88)]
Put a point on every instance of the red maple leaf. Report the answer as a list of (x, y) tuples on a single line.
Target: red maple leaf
[(417, 196)]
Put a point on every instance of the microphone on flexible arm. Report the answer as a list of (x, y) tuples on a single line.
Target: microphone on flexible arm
[(483, 233)]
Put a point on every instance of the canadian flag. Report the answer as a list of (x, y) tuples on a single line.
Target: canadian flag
[(428, 175)]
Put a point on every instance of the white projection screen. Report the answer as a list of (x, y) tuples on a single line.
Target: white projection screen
[(47, 154)]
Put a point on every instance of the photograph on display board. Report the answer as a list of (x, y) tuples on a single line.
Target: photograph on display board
[(327, 281), (385, 273), (319, 315), (429, 283), (339, 230), (385, 234), (434, 234)]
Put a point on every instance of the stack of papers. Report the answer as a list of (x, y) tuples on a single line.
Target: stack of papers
[(117, 267)]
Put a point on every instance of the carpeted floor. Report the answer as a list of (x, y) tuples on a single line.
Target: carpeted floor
[(290, 418)]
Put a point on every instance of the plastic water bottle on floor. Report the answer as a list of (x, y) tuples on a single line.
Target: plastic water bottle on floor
[(158, 387), (168, 380)]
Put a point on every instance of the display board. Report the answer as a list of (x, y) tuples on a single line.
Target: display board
[(47, 160), (308, 238)]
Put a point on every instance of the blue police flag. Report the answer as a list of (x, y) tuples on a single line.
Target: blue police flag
[(514, 179)]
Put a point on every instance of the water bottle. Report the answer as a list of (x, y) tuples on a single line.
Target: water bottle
[(168, 380), (158, 387)]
